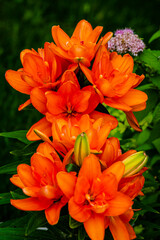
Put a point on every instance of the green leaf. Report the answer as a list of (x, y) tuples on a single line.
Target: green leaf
[(156, 143), (5, 198), (17, 195), (154, 36), (19, 234), (16, 222), (12, 233), (81, 233), (36, 220), (146, 86), (10, 168), (143, 137), (156, 81), (72, 168), (151, 58), (73, 223), (26, 151), (156, 114), (20, 135)]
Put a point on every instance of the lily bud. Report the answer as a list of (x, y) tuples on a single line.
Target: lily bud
[(134, 163), (81, 148)]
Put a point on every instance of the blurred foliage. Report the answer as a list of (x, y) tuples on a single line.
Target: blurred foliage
[(27, 24)]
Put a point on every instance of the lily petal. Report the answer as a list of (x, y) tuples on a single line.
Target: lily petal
[(15, 80), (66, 182), (91, 168), (80, 213), (53, 212), (118, 205), (118, 229), (94, 226), (42, 125), (31, 204)]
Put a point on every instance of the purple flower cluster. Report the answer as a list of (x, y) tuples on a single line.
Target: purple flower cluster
[(124, 41)]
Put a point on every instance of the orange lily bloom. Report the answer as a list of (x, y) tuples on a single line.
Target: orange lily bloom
[(38, 181), (95, 195), (40, 72), (81, 47), (97, 130), (69, 102), (113, 76)]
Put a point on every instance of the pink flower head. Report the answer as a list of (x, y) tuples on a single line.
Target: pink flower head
[(125, 41)]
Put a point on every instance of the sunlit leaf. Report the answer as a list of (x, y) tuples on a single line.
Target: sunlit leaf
[(20, 135), (154, 36), (151, 58)]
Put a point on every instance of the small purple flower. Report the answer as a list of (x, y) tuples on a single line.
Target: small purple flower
[(124, 41)]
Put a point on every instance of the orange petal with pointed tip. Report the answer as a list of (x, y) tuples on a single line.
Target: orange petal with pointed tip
[(31, 204), (106, 38), (66, 182), (131, 231), (111, 151), (31, 191), (80, 101), (91, 168), (42, 125), (134, 97), (118, 229), (123, 64), (118, 205), (82, 30), (94, 35), (88, 73), (15, 80), (15, 179), (133, 121), (55, 103), (24, 52), (117, 103), (49, 191), (63, 39), (46, 149), (94, 226), (53, 212), (82, 188), (108, 119), (39, 100), (117, 169), (80, 213), (43, 167), (22, 106), (26, 176)]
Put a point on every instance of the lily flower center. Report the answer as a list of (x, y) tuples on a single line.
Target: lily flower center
[(98, 203)]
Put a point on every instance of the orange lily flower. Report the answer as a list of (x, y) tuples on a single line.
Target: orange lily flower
[(69, 102), (95, 195), (113, 76), (40, 72), (97, 130), (38, 181), (81, 47)]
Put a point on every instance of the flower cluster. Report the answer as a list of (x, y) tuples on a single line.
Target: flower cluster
[(78, 163), (125, 40)]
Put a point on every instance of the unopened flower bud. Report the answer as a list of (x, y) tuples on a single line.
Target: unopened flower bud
[(81, 148), (134, 163)]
